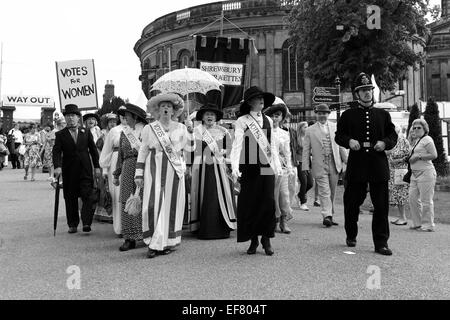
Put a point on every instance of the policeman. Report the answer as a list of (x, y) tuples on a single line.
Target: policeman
[(367, 132)]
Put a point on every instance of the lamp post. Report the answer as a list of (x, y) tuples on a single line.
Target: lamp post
[(337, 83)]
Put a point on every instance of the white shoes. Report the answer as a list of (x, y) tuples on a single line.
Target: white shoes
[(304, 207)]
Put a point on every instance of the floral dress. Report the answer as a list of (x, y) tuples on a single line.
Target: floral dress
[(48, 148), (32, 153), (398, 194)]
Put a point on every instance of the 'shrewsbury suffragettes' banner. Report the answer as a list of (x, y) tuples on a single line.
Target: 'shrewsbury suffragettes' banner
[(225, 59), (76, 84)]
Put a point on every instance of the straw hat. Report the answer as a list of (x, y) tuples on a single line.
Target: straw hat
[(174, 98)]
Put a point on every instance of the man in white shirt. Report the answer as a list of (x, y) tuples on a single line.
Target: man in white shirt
[(18, 140), (327, 160)]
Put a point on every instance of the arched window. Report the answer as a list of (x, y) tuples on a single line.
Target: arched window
[(293, 69), (184, 58)]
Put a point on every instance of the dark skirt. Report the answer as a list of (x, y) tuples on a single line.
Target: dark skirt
[(256, 207), (212, 223)]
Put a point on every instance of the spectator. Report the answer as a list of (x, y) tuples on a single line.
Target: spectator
[(17, 140), (32, 156), (423, 178)]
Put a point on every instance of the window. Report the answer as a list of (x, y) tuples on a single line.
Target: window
[(293, 69), (184, 57)]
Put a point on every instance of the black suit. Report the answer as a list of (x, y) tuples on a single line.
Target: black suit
[(75, 161), (367, 166)]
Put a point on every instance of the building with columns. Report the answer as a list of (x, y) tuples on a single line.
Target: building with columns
[(167, 44)]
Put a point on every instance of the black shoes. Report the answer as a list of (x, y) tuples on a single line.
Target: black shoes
[(253, 245), (72, 230), (385, 251), (351, 242), (328, 222), (151, 253), (266, 245), (86, 228), (128, 245)]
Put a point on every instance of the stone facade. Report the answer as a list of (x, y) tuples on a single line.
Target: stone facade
[(167, 43)]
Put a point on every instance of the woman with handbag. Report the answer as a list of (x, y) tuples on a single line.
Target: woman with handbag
[(32, 156), (130, 142), (423, 178), (399, 190)]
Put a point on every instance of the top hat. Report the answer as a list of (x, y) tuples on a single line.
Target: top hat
[(133, 109), (254, 92), (91, 115), (174, 98), (322, 108), (362, 81), (208, 107), (71, 109)]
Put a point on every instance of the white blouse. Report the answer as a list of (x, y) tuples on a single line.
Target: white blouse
[(112, 140)]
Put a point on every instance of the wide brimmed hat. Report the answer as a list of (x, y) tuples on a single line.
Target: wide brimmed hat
[(322, 108), (209, 107), (254, 92), (362, 81), (91, 115), (174, 98), (111, 116), (71, 109), (277, 107), (133, 109)]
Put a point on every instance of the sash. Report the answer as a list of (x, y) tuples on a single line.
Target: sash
[(212, 143), (260, 137), (135, 143), (168, 148)]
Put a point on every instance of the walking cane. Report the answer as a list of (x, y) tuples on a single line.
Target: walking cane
[(55, 212)]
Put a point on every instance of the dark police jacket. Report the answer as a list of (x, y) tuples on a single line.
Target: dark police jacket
[(367, 126), (75, 158)]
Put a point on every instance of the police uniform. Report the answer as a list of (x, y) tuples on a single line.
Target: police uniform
[(367, 125)]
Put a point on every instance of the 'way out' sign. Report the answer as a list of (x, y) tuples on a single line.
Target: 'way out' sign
[(76, 84), (28, 101)]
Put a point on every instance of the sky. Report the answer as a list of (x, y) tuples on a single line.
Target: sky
[(36, 33)]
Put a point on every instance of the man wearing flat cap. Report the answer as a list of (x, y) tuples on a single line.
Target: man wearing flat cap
[(328, 160), (368, 132), (72, 153)]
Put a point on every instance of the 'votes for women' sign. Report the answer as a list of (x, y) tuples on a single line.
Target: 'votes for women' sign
[(76, 84)]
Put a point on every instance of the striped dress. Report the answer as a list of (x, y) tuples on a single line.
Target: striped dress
[(164, 192)]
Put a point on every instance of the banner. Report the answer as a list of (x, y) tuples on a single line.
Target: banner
[(76, 84), (225, 59), (28, 101)]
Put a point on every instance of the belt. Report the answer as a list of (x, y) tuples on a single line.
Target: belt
[(115, 149), (367, 145)]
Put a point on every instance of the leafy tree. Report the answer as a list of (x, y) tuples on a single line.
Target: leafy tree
[(414, 113), (111, 105), (384, 52), (431, 116)]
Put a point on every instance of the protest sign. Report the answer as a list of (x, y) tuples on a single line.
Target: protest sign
[(76, 84)]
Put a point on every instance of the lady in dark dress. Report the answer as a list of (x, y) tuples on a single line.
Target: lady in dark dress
[(212, 199)]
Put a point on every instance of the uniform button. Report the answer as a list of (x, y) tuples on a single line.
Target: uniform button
[(367, 132), (367, 150), (368, 138), (368, 121)]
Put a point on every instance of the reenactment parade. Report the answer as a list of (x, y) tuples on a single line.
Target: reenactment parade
[(233, 143)]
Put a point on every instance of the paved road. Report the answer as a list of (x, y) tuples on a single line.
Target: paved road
[(310, 263)]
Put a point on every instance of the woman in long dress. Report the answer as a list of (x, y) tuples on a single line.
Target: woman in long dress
[(163, 179), (129, 144), (212, 199), (108, 162), (32, 156)]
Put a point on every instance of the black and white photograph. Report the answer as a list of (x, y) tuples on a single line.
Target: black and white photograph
[(221, 159)]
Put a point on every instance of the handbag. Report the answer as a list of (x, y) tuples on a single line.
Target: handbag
[(133, 206), (407, 176), (399, 177), (105, 197)]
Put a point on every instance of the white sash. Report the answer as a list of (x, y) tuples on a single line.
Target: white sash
[(168, 148), (135, 143), (212, 143), (260, 137)]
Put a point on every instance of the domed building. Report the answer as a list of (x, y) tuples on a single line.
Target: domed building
[(168, 43)]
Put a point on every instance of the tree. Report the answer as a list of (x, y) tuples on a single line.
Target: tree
[(431, 116), (414, 113), (384, 52), (111, 105)]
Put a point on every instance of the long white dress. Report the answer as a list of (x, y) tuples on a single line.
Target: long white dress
[(108, 162), (164, 192)]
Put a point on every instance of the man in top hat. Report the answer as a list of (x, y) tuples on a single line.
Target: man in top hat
[(368, 132), (325, 159), (254, 159), (72, 153)]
